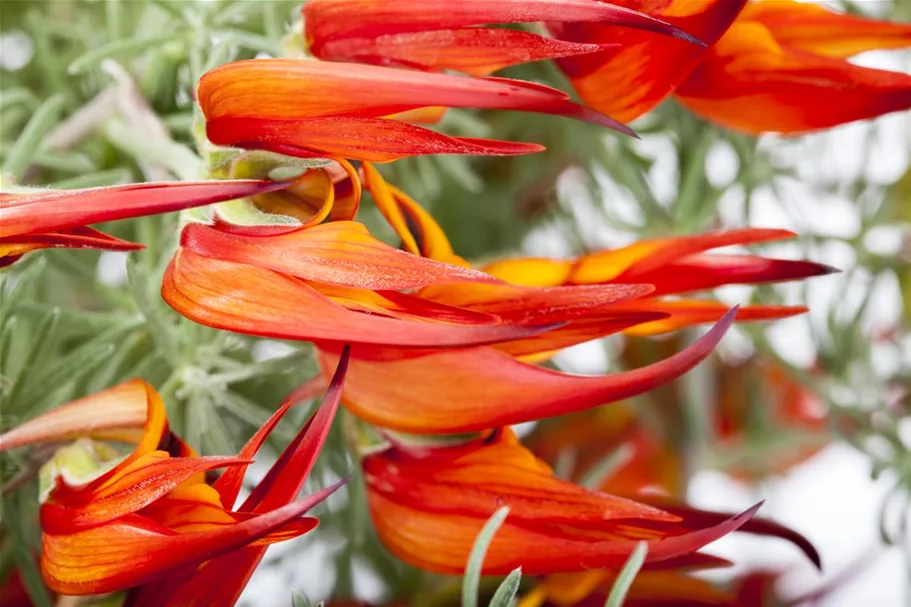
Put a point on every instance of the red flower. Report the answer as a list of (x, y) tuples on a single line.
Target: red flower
[(439, 34), (150, 520), (51, 219), (770, 66)]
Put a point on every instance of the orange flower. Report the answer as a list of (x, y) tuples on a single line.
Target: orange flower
[(428, 505), (771, 66), (51, 219), (439, 34), (310, 109), (434, 391), (149, 520)]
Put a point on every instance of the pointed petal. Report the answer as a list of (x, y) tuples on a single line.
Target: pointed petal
[(229, 483), (703, 272), (441, 542), (332, 19), (474, 51), (360, 138), (292, 89), (814, 28), (287, 475), (686, 313), (630, 80), (338, 253), (129, 412), (540, 347), (751, 83), (58, 210), (256, 301), (527, 305), (648, 255), (126, 491), (134, 549), (475, 389), (13, 247), (694, 518), (532, 271)]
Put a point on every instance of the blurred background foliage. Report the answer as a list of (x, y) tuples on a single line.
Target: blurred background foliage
[(99, 92)]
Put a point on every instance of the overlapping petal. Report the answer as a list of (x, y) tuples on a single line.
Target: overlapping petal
[(59, 218), (437, 35), (752, 82), (311, 108), (553, 525), (643, 68), (434, 392)]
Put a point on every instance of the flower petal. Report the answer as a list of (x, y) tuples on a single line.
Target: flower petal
[(686, 313), (333, 19), (293, 89), (13, 247), (339, 253), (134, 549), (125, 491), (62, 209), (463, 390), (475, 51), (247, 299), (633, 78), (814, 28), (361, 138), (751, 83), (129, 412)]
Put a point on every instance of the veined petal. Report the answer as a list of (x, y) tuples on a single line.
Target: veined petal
[(702, 272), (646, 256), (293, 89), (56, 210), (497, 473), (130, 412), (282, 483), (441, 542), (474, 389), (695, 518), (135, 549), (13, 247), (476, 51), (339, 253), (333, 19), (688, 312), (814, 28), (539, 348), (256, 301), (229, 483), (124, 491), (360, 138), (751, 83), (645, 68)]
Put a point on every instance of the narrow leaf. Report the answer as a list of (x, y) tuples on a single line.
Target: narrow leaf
[(472, 577), (627, 575)]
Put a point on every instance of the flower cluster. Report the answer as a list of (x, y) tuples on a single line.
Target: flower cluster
[(413, 339)]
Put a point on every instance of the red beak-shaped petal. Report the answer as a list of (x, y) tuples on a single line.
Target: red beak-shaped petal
[(339, 253), (280, 486), (256, 301), (360, 138), (694, 518), (813, 28), (475, 389), (290, 89), (634, 77), (128, 490), (149, 548), (327, 20), (754, 82), (476, 51), (703, 272), (53, 211), (118, 413), (428, 507)]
